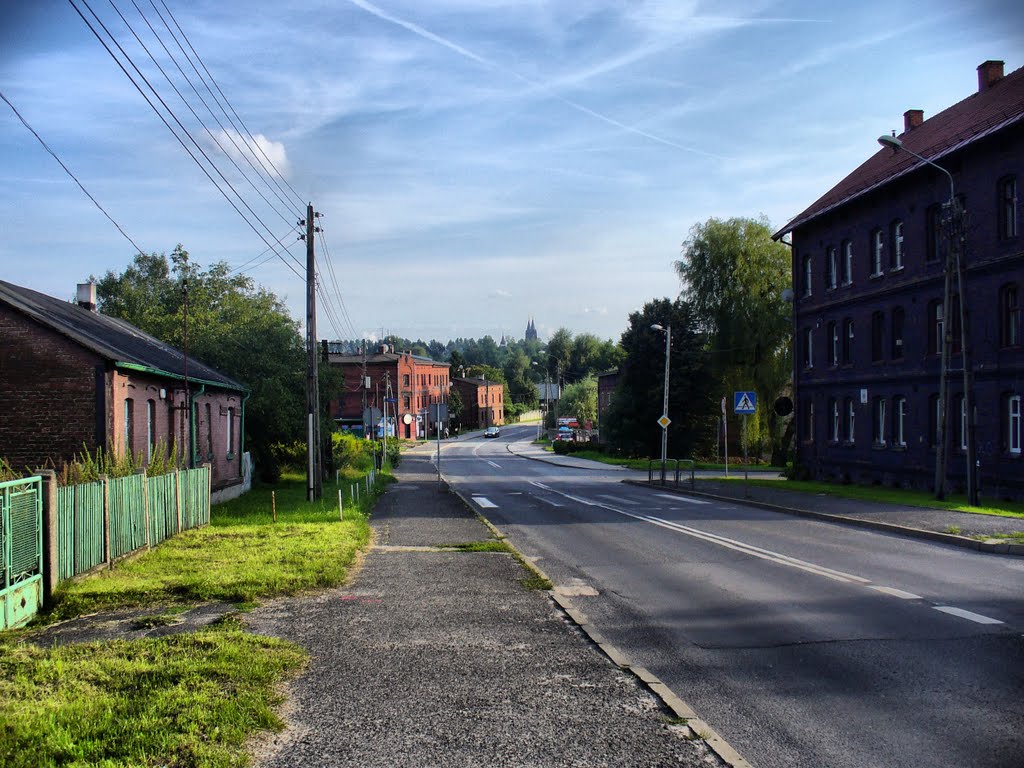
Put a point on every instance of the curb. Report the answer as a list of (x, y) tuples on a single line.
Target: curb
[(698, 729), (992, 545), (545, 460)]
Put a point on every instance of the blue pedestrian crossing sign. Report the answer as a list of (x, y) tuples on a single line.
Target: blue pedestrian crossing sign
[(745, 402)]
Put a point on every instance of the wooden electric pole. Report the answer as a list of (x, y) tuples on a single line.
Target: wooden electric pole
[(314, 464)]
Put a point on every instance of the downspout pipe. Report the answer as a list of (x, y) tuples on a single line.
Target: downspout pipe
[(192, 424), (241, 432)]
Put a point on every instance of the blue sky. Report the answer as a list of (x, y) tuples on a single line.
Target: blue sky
[(476, 163)]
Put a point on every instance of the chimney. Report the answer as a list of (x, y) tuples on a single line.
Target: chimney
[(912, 118), (87, 296), (989, 73)]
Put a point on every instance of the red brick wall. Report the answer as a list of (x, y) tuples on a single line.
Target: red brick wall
[(47, 394)]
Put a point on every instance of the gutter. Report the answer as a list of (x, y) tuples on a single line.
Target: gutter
[(167, 374)]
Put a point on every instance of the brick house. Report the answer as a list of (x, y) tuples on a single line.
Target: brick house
[(606, 384), (868, 262), (411, 383), (73, 378), (483, 402)]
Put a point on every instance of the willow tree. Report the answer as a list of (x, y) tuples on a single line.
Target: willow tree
[(734, 277)]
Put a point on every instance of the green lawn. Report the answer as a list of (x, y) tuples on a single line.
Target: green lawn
[(191, 699)]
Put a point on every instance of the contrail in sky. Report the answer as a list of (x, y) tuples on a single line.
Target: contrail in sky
[(484, 62)]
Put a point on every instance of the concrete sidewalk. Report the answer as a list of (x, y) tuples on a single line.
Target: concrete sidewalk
[(443, 658)]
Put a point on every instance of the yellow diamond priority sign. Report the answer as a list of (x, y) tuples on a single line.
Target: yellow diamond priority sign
[(664, 421)]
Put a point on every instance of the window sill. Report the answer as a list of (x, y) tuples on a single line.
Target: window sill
[(876, 275), (895, 270)]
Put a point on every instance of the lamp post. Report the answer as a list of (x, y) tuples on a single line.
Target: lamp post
[(667, 330), (954, 220)]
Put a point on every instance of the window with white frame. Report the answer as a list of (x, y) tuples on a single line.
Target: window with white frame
[(847, 262), (808, 348), (1013, 424), (936, 327), (833, 344), (834, 409), (896, 235), (899, 421), (1009, 316), (150, 429), (129, 425), (832, 267), (878, 421), (851, 415), (1008, 207), (877, 248), (848, 342), (231, 433), (807, 275)]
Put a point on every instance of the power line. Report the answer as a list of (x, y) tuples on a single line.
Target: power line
[(69, 173), (168, 125)]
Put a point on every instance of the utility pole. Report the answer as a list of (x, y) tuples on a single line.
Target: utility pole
[(187, 442), (314, 469)]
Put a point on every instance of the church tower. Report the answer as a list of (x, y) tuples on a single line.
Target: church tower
[(531, 331)]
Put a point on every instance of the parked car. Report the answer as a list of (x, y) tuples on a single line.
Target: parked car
[(492, 432)]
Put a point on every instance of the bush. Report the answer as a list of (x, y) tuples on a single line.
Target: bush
[(351, 451)]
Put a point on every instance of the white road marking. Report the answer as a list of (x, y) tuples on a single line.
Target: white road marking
[(897, 593), (484, 502), (969, 615), (493, 464), (548, 501), (618, 499), (539, 485), (676, 497)]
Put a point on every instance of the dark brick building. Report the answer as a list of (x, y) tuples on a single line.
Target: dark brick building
[(411, 383), (868, 267), (71, 378)]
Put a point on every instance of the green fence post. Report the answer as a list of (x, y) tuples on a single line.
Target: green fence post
[(51, 547), (177, 499), (106, 519)]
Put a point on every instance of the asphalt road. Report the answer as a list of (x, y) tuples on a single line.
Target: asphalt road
[(802, 643)]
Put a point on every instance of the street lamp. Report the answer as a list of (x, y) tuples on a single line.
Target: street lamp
[(954, 255), (667, 330)]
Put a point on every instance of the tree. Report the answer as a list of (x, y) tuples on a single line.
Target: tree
[(733, 276), (559, 353), (241, 330), (632, 419), (579, 400), (455, 408)]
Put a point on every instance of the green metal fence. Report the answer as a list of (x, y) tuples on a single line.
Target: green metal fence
[(100, 522), (21, 550)]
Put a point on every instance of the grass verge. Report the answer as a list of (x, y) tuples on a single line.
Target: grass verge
[(182, 700), (490, 545), (888, 496), (243, 555)]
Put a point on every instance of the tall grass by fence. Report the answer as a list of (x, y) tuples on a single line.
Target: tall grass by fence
[(102, 521)]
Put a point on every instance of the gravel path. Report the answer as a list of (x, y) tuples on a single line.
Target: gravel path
[(442, 658)]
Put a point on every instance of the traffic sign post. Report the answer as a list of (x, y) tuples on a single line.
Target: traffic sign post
[(744, 404)]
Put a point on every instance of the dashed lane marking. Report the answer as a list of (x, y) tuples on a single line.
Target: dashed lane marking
[(896, 592), (484, 502), (618, 499), (676, 497), (494, 464), (977, 618)]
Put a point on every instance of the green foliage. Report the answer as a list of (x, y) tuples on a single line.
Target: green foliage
[(351, 451), (579, 400), (455, 406), (7, 472), (631, 426), (733, 276), (86, 467)]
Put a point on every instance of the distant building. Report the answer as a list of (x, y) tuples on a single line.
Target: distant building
[(409, 384), (868, 272), (606, 384), (72, 379), (531, 331), (483, 402)]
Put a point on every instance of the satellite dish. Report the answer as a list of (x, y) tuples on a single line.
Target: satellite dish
[(783, 406)]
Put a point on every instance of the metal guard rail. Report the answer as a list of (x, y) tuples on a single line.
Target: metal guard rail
[(678, 466)]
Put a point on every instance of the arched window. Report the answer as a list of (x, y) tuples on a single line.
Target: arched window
[(877, 252), (847, 262), (896, 252)]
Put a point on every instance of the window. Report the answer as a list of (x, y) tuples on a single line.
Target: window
[(1013, 425), (934, 417), (832, 267), (961, 432), (897, 333), (150, 429), (833, 345), (209, 431), (809, 421), (877, 247), (896, 235), (847, 341), (878, 421), (833, 406), (899, 421), (933, 232), (1009, 316), (808, 348), (807, 275), (877, 336), (936, 326), (850, 416), (231, 433), (129, 425), (405, 380), (1008, 207), (406, 402), (847, 262)]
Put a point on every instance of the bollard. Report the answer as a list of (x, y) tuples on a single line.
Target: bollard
[(273, 504), (341, 509)]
